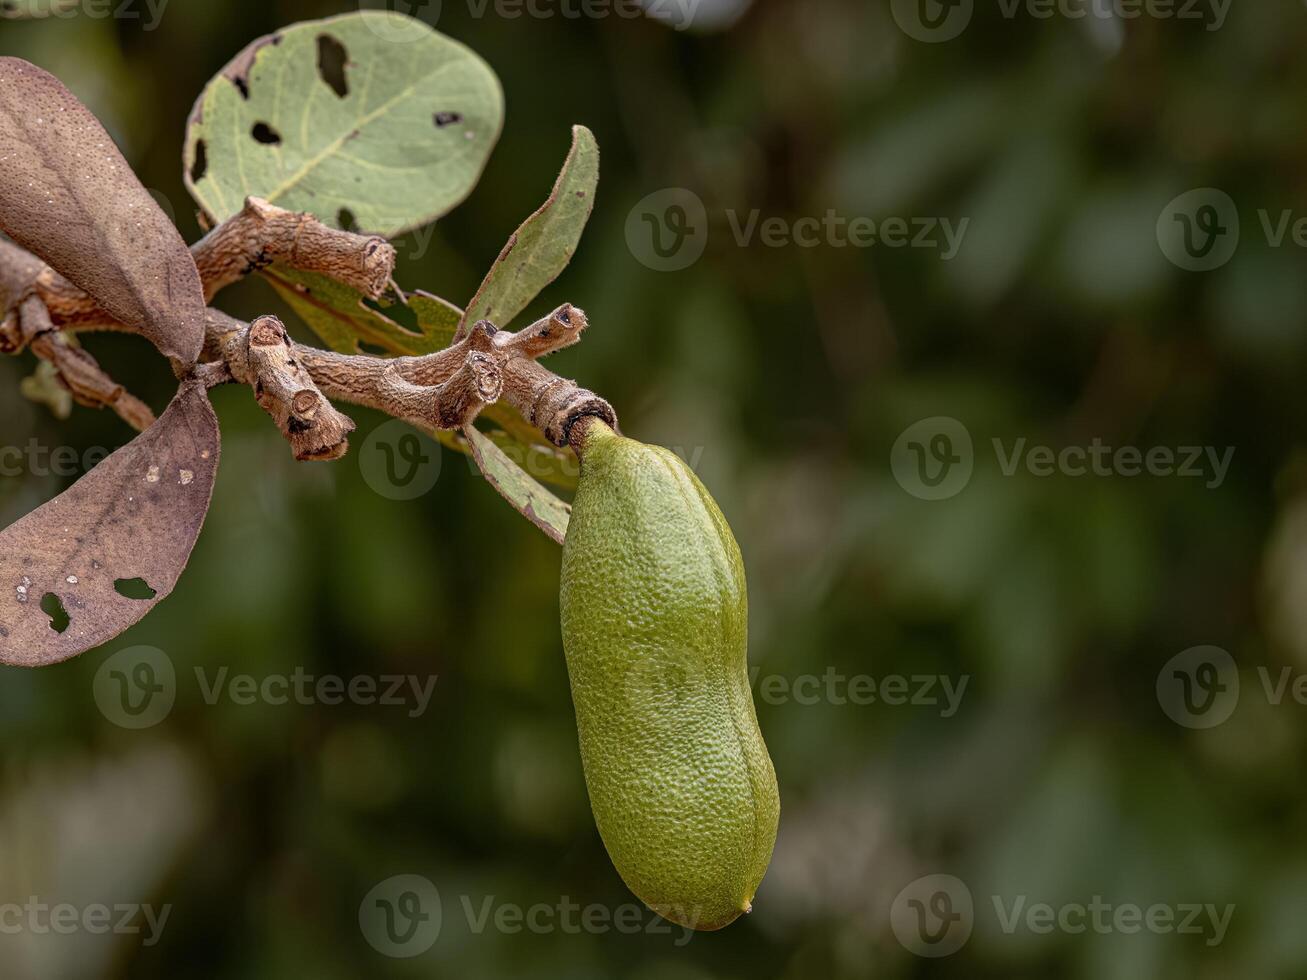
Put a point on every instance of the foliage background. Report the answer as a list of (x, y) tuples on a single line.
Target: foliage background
[(791, 373)]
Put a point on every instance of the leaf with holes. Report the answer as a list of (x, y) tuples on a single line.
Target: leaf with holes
[(540, 249), (519, 488), (370, 119), (69, 197), (93, 561)]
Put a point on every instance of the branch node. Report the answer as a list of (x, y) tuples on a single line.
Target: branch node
[(285, 390)]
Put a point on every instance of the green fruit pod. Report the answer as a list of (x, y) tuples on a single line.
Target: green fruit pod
[(655, 628)]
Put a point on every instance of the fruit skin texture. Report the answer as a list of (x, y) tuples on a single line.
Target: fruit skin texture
[(654, 617)]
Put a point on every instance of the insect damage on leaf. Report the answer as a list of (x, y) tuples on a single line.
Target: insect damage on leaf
[(98, 557), (351, 111), (69, 197)]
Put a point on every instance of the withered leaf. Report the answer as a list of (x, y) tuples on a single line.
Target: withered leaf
[(68, 196), (134, 517)]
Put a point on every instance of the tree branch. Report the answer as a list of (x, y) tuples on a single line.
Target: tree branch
[(444, 390), (78, 371), (257, 236), (262, 234)]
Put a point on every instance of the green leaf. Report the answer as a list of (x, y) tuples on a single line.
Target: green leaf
[(371, 119), (343, 317), (542, 247), (519, 488), (526, 446)]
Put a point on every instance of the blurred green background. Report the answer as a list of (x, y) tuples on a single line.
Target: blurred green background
[(786, 374)]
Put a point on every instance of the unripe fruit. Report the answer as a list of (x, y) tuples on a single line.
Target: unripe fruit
[(654, 615)]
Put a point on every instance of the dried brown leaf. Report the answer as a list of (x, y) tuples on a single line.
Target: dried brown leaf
[(134, 517), (68, 196)]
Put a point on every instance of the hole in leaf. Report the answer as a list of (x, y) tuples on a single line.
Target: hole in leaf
[(345, 218), (201, 163), (242, 85), (444, 119), (332, 58), (134, 588), (53, 607), (265, 134)]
